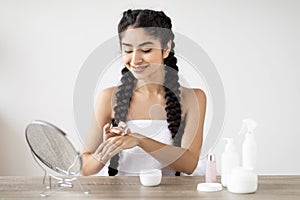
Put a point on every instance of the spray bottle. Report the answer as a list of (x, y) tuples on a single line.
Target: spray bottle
[(249, 145)]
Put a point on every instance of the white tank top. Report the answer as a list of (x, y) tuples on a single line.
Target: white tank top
[(131, 161)]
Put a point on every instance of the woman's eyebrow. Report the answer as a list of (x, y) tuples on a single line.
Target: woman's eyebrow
[(140, 45)]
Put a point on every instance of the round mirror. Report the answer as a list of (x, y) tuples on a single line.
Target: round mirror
[(51, 146)]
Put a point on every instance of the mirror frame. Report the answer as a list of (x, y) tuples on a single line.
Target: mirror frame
[(44, 123)]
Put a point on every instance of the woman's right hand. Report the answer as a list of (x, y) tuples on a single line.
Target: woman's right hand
[(111, 131)]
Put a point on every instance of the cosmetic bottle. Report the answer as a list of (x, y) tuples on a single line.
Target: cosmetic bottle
[(229, 160), (249, 155), (211, 171)]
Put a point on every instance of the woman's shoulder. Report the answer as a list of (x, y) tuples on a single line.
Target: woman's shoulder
[(188, 93), (107, 94), (105, 102), (109, 90), (192, 96)]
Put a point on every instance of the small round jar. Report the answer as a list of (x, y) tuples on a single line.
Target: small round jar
[(242, 181), (150, 177)]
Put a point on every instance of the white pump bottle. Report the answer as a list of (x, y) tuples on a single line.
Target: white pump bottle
[(229, 160), (249, 155)]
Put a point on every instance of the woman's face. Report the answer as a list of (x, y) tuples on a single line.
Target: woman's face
[(141, 53)]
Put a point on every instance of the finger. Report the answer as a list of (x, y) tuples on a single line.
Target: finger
[(98, 155), (109, 144), (116, 130), (106, 127), (105, 146), (111, 148), (115, 151), (99, 149), (109, 135), (112, 151), (118, 149)]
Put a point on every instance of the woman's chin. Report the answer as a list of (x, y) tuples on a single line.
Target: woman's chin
[(139, 76)]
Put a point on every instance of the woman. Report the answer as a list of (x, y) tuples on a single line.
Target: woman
[(160, 122)]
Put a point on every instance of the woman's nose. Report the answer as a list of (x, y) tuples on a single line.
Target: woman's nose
[(136, 57)]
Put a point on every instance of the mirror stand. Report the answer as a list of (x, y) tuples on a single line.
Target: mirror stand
[(62, 183)]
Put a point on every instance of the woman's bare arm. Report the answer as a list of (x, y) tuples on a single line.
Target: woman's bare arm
[(103, 115)]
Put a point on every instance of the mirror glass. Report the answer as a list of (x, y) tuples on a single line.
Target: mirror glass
[(51, 146)]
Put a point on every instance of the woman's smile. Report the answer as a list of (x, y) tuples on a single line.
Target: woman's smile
[(139, 68)]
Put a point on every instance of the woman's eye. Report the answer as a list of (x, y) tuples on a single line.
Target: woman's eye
[(143, 50), (146, 50), (127, 51)]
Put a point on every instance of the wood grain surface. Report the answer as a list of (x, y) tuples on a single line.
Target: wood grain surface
[(270, 187)]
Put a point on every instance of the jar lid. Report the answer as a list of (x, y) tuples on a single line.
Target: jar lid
[(209, 187)]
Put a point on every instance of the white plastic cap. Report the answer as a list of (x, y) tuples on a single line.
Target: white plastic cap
[(209, 187)]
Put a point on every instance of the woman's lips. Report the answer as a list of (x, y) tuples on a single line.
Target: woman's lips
[(139, 68)]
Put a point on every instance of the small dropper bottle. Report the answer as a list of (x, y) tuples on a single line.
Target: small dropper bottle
[(211, 171)]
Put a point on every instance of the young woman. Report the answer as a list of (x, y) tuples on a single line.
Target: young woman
[(149, 120)]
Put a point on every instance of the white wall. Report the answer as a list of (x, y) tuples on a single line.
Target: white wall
[(254, 45)]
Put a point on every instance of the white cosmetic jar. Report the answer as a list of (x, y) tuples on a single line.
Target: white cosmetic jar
[(242, 181), (150, 177)]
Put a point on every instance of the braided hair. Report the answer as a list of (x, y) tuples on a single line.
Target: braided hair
[(158, 25)]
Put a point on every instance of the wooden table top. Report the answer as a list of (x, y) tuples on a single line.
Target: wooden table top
[(269, 187)]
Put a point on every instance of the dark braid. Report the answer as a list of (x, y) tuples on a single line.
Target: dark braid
[(123, 97), (172, 96), (159, 25)]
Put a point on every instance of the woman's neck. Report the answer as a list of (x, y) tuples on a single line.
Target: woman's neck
[(150, 89), (152, 85)]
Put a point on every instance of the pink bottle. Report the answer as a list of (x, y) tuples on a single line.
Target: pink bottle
[(211, 171)]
